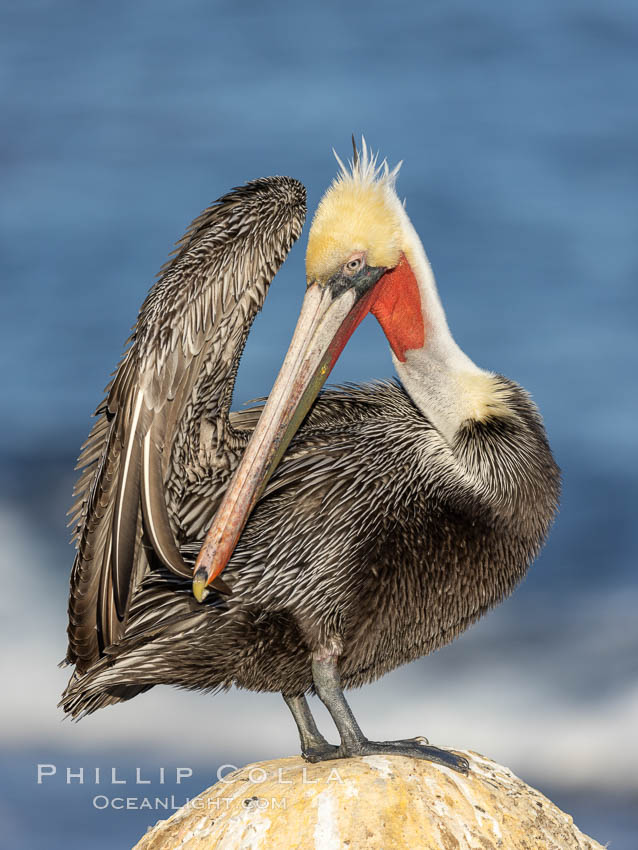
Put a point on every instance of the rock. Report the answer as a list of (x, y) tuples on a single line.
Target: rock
[(376, 802)]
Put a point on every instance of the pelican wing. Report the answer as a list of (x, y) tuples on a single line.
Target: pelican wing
[(177, 374)]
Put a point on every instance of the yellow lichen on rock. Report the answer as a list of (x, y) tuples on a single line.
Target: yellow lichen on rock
[(377, 802)]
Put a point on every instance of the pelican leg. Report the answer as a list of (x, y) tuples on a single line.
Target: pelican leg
[(314, 746), (325, 674)]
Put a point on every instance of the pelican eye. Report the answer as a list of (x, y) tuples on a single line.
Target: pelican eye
[(353, 265)]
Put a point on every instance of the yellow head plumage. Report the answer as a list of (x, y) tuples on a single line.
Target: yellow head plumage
[(359, 212)]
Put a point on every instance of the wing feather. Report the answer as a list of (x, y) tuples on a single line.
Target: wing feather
[(178, 371)]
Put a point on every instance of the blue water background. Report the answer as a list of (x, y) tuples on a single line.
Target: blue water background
[(518, 128)]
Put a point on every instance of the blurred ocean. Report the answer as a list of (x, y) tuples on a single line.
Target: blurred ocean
[(518, 128)]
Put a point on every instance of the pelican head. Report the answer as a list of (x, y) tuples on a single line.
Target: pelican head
[(360, 213)]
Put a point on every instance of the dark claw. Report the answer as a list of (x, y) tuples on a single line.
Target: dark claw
[(420, 739)]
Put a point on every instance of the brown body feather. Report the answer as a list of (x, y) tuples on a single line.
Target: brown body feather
[(373, 536)]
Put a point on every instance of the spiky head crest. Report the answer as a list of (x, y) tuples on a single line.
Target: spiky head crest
[(359, 212)]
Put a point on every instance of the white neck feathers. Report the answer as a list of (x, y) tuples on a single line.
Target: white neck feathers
[(446, 385)]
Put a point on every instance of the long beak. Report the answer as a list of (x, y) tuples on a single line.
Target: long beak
[(325, 324)]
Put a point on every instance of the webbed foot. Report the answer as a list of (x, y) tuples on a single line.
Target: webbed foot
[(412, 748), (418, 748), (320, 752)]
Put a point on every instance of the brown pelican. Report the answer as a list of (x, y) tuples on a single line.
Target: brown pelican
[(358, 529)]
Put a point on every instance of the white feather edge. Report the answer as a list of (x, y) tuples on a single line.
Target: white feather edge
[(125, 471)]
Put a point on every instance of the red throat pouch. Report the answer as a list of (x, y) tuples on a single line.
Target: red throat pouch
[(397, 307)]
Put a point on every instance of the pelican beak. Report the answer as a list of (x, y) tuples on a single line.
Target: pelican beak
[(329, 315)]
